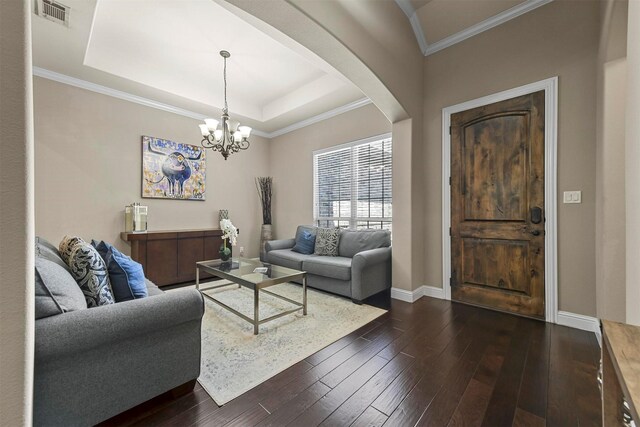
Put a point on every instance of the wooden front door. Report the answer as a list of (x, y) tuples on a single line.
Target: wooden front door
[(497, 206)]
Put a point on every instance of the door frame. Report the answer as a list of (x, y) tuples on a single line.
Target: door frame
[(550, 87)]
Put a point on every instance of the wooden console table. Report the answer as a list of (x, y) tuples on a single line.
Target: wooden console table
[(169, 257), (620, 372)]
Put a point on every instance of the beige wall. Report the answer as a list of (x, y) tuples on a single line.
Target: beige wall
[(370, 43), (610, 170), (16, 212), (632, 171), (88, 167), (561, 39), (291, 162)]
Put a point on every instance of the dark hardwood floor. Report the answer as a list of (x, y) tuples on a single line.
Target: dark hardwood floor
[(432, 363)]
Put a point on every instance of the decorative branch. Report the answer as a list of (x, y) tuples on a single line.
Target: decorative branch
[(263, 184)]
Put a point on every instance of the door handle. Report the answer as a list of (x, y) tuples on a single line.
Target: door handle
[(535, 232), (536, 215)]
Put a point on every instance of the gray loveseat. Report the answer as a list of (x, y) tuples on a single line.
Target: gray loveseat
[(362, 269), (94, 363)]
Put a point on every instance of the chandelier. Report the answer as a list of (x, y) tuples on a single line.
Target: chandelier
[(225, 140)]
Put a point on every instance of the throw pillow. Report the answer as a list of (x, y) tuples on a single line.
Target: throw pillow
[(46, 250), (90, 272), (66, 246), (126, 275), (327, 241), (56, 291), (305, 243)]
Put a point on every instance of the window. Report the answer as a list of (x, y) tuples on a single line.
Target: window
[(352, 185)]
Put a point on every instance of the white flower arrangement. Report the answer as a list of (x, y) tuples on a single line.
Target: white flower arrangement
[(230, 232)]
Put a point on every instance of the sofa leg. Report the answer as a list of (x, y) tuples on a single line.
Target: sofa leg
[(183, 389), (356, 301)]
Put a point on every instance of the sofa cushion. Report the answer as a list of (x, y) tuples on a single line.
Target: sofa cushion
[(354, 241), (46, 250), (152, 289), (126, 275), (287, 258), (335, 267), (327, 240), (56, 291), (90, 272), (305, 242)]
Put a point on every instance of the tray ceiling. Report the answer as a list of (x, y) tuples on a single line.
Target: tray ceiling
[(168, 51)]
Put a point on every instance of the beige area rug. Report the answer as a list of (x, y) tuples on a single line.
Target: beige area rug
[(234, 360)]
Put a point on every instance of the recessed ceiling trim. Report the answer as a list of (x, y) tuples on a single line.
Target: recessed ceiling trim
[(104, 90), (320, 117), (485, 25), (408, 10)]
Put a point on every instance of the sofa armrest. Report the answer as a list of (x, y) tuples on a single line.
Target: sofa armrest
[(371, 257), (78, 331), (273, 245), (370, 273)]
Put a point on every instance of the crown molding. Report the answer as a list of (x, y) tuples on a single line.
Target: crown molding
[(104, 90), (320, 117), (485, 25), (408, 10)]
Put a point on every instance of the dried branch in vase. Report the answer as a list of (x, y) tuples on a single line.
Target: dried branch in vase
[(264, 185)]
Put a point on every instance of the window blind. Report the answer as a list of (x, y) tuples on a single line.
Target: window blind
[(353, 185)]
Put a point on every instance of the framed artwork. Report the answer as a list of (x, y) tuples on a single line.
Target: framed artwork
[(171, 170)]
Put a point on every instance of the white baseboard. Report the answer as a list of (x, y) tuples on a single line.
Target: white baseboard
[(579, 321), (406, 296), (565, 318), (416, 294), (433, 292)]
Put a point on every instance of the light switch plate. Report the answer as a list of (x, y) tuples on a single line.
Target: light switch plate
[(572, 197)]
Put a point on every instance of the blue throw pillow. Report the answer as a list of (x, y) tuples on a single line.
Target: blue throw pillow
[(305, 243), (126, 275)]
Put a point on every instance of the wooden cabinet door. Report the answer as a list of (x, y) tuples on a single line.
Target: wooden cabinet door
[(497, 206), (190, 251), (162, 260)]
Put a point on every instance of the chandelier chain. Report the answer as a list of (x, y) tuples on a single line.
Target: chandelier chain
[(226, 108), (225, 140)]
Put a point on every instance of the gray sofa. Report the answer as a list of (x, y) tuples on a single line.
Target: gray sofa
[(362, 269), (94, 363)]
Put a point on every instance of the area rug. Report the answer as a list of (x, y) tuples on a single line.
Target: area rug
[(234, 360)]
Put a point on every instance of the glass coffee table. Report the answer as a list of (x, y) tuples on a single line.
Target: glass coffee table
[(241, 272)]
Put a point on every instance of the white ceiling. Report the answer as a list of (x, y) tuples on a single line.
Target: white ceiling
[(167, 51)]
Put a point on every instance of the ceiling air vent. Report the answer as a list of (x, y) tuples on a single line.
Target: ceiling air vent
[(53, 11)]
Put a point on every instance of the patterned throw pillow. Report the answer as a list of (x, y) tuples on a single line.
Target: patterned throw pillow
[(327, 241), (90, 271), (67, 245)]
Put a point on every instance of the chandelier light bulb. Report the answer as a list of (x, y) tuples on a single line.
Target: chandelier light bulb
[(217, 134), (212, 124), (204, 130), (245, 131)]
